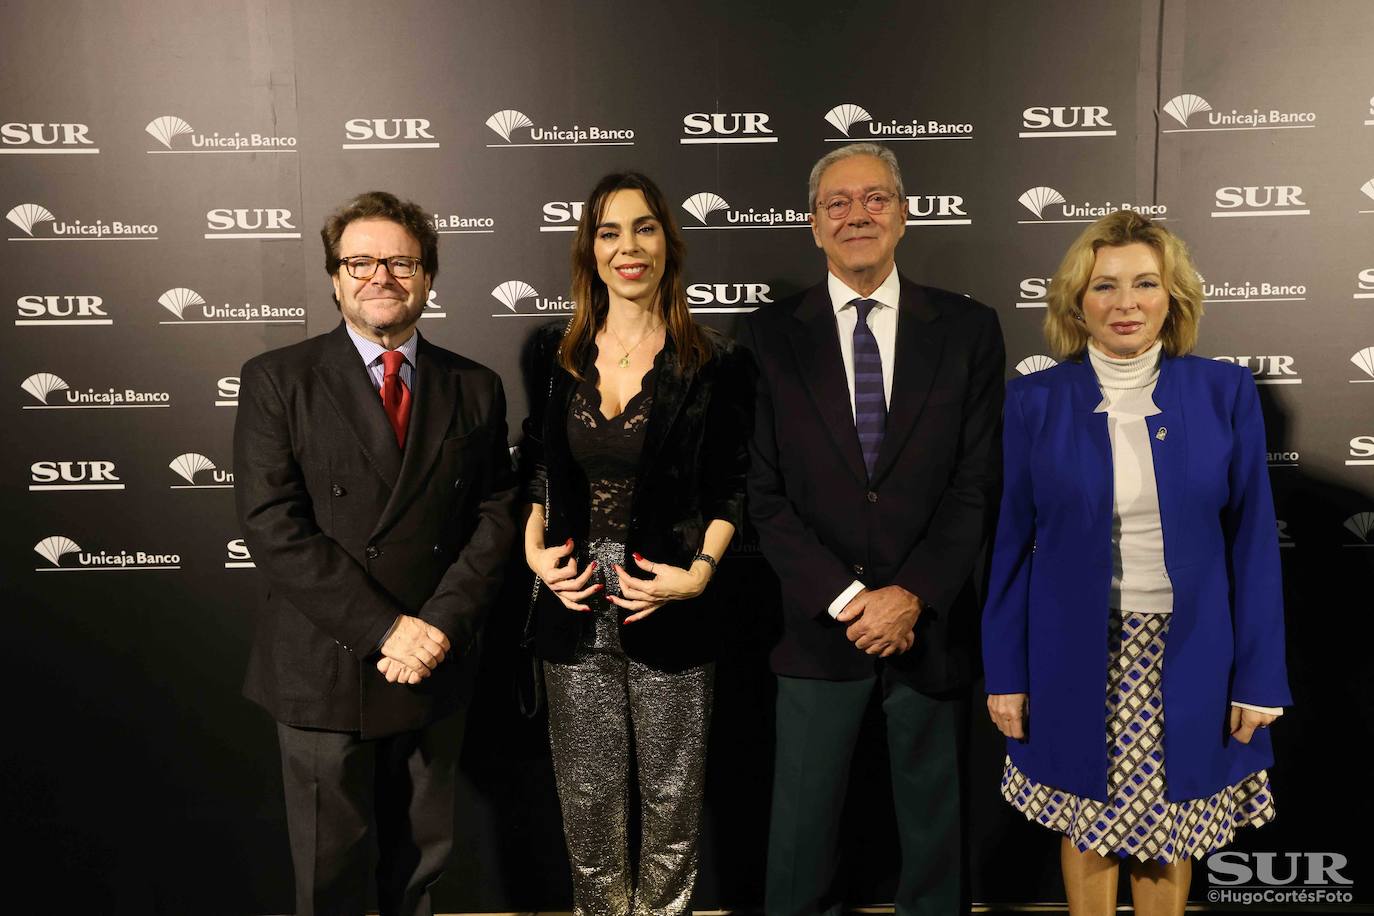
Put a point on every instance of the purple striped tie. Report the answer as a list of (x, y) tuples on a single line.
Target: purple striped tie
[(870, 404)]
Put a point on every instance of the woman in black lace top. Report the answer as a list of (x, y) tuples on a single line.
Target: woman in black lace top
[(635, 464)]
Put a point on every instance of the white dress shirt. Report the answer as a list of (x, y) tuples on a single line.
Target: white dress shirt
[(882, 321)]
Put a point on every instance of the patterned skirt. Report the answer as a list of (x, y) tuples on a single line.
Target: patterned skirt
[(1136, 820)]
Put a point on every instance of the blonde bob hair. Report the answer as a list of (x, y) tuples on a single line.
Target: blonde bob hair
[(1065, 331)]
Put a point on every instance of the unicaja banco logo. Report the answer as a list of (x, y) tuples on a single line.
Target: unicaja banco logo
[(26, 216), (1364, 359), (190, 464), (167, 128), (179, 299), (507, 121), (1367, 189), (1181, 108), (1036, 363), (57, 548), (511, 292), (514, 292), (176, 300), (1361, 524), (1037, 199), (703, 204), (847, 117), (42, 384), (54, 548), (843, 117), (29, 217)]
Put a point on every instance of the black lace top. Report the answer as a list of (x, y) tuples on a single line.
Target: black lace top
[(607, 451)]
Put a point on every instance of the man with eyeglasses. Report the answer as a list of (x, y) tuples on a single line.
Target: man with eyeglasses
[(876, 463), (375, 493)]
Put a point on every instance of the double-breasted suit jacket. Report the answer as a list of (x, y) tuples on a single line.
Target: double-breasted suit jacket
[(1045, 623), (351, 531), (920, 522)]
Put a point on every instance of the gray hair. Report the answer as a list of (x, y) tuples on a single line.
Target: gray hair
[(875, 150)]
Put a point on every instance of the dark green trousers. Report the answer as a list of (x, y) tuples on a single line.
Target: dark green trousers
[(817, 727)]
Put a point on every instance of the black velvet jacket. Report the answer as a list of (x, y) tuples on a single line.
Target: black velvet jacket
[(692, 470)]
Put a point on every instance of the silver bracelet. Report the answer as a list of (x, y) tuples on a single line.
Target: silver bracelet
[(707, 559)]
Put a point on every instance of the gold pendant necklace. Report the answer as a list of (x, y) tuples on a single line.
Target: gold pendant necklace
[(624, 362)]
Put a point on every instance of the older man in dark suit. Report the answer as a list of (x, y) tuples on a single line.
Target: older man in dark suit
[(374, 489), (876, 460)]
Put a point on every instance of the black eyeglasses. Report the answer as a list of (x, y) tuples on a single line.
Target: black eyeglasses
[(877, 203), (362, 267)]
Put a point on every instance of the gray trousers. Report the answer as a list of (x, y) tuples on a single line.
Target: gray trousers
[(599, 706)]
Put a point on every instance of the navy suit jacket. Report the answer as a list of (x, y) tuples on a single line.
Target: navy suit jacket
[(923, 519), (1045, 623)]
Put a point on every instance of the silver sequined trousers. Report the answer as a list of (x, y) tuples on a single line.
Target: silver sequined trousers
[(598, 706)]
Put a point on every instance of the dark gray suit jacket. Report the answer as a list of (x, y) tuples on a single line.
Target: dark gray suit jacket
[(348, 531)]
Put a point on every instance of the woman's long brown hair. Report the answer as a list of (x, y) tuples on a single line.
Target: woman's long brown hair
[(592, 299)]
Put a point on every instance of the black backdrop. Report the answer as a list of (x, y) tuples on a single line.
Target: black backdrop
[(165, 167)]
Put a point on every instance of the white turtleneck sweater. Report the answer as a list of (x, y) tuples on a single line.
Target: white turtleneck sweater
[(1139, 580)]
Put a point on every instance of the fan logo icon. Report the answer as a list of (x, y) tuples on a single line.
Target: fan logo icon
[(1066, 121), (1361, 524), (507, 121), (1367, 189), (190, 308), (187, 466), (165, 129), (29, 217), (55, 550), (43, 385), (1038, 198), (847, 117), (702, 205), (46, 139), (1364, 360), (1035, 363), (513, 293), (1181, 108)]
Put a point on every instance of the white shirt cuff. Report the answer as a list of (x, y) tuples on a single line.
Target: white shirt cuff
[(1271, 710), (844, 598)]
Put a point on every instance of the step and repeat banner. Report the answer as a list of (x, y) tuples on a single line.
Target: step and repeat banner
[(164, 171)]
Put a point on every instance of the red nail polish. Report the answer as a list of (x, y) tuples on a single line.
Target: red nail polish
[(625, 621), (599, 586), (593, 565), (568, 542), (638, 558)]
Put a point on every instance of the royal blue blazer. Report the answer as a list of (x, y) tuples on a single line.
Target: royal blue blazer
[(1045, 623)]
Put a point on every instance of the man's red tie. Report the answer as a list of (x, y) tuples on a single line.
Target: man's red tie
[(395, 394)]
